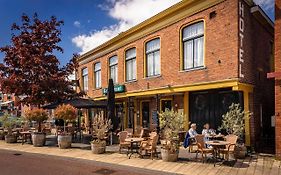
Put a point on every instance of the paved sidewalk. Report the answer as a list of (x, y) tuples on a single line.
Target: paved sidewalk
[(254, 165)]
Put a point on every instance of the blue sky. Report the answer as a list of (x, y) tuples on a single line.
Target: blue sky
[(88, 23)]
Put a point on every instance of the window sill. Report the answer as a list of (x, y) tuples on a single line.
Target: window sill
[(130, 81), (95, 89), (151, 77), (194, 69)]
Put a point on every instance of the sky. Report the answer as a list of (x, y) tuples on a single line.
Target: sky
[(88, 23)]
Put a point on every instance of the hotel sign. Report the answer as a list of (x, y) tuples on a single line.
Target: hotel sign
[(117, 89), (241, 37)]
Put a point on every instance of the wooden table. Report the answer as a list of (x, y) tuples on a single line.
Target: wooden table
[(217, 145), (25, 135), (135, 145), (215, 136)]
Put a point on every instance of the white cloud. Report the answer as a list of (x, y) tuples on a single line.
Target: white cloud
[(128, 13), (265, 4), (77, 24)]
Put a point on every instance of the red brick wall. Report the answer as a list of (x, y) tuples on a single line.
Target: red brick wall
[(278, 81), (221, 44)]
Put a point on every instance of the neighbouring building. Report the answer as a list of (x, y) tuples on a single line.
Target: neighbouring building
[(198, 57), (9, 104)]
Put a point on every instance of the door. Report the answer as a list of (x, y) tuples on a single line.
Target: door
[(145, 114), (209, 106)]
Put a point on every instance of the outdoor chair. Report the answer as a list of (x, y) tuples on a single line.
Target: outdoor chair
[(129, 131), (201, 147), (150, 145), (232, 139), (122, 143)]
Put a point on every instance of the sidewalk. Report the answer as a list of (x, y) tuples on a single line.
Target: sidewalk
[(255, 165)]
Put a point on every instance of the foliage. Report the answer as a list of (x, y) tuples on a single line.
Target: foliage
[(101, 126), (9, 122), (31, 69), (39, 115), (171, 122), (66, 112), (233, 120)]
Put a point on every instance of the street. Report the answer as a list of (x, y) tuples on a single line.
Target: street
[(20, 163)]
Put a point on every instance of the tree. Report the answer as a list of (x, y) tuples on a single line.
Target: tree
[(30, 67)]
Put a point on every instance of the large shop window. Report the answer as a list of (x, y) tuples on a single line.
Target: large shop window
[(113, 69), (97, 73), (85, 79), (193, 46), (131, 64), (153, 57)]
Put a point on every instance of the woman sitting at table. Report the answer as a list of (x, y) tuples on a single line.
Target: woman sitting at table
[(192, 131), (207, 131)]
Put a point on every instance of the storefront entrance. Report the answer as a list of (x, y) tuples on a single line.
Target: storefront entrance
[(209, 106), (145, 114)]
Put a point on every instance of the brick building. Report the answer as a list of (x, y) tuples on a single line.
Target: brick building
[(278, 78), (197, 57)]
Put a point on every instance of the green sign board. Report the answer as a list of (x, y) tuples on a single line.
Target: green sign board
[(117, 89)]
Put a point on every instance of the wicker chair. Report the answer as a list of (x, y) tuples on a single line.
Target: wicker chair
[(129, 131), (122, 143), (150, 145), (232, 139), (201, 147)]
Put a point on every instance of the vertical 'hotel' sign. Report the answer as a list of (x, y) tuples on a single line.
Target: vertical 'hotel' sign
[(241, 38)]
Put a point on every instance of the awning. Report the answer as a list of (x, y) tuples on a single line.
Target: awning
[(78, 103), (6, 103)]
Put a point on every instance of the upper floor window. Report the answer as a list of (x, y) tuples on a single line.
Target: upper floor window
[(152, 51), (130, 64), (113, 69), (97, 74), (193, 46), (85, 79)]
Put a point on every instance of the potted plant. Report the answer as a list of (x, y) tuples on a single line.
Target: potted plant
[(2, 135), (101, 126), (9, 122), (38, 115), (233, 122), (171, 123), (68, 114)]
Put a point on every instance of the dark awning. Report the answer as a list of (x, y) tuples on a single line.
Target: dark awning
[(78, 103)]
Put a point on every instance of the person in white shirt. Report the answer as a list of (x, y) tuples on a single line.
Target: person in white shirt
[(192, 131), (206, 130)]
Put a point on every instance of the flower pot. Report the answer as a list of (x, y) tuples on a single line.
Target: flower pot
[(9, 138), (2, 136), (240, 152), (38, 139), (64, 141), (98, 148), (168, 156)]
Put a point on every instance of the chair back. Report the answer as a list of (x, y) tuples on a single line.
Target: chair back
[(154, 141), (141, 133), (200, 141), (122, 136), (129, 131), (232, 139)]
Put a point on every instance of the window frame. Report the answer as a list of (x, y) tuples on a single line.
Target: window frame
[(152, 52), (113, 65), (83, 79), (95, 75), (127, 59), (183, 41)]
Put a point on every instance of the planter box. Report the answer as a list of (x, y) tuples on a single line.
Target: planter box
[(38, 139), (98, 148), (64, 141), (169, 157), (10, 139)]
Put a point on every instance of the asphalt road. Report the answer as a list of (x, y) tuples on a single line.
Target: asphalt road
[(20, 163)]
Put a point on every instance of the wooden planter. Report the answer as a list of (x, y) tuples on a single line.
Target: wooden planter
[(9, 138), (98, 148), (240, 152), (169, 157), (38, 139), (64, 141)]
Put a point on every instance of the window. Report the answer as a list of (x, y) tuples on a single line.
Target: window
[(113, 68), (193, 46), (85, 79), (97, 74), (130, 64), (153, 57)]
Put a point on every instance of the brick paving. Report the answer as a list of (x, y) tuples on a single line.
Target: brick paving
[(256, 164)]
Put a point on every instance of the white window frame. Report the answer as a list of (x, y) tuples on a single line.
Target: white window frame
[(131, 73), (113, 66), (85, 79), (153, 52), (97, 74)]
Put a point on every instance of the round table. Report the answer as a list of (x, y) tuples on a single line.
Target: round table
[(135, 145), (216, 144), (26, 135), (215, 136)]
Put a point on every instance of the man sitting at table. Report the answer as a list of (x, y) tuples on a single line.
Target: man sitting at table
[(207, 131)]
